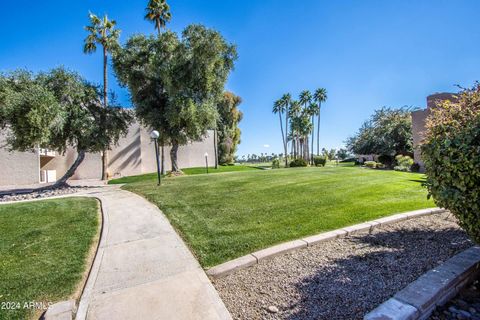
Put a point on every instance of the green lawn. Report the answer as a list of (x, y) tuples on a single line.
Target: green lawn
[(187, 171), (43, 249), (225, 216)]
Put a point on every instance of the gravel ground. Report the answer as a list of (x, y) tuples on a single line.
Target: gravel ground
[(466, 305), (40, 194), (343, 278)]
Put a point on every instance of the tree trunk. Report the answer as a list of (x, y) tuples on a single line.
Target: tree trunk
[(105, 102), (281, 129), (162, 161), (313, 133), (62, 182), (215, 147), (173, 156), (286, 137), (318, 131)]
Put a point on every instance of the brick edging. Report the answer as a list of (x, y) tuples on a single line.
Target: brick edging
[(254, 257), (432, 289)]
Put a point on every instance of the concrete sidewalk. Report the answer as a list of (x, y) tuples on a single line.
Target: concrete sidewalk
[(143, 270)]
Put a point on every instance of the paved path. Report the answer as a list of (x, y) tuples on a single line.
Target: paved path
[(143, 270)]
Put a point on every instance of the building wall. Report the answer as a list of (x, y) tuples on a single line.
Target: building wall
[(134, 154), (18, 168), (418, 127), (418, 122)]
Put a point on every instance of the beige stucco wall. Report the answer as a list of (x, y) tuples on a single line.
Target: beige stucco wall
[(134, 154), (418, 127), (18, 168), (190, 155), (418, 123)]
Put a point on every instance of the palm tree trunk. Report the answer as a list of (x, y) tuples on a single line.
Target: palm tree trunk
[(286, 137), (281, 129), (313, 133), (105, 101), (318, 131)]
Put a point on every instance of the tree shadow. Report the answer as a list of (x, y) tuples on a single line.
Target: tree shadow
[(383, 263), (422, 181)]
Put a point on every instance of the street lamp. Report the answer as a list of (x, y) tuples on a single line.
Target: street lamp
[(154, 135), (206, 161)]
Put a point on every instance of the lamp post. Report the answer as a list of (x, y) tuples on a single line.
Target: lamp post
[(154, 135), (206, 161)]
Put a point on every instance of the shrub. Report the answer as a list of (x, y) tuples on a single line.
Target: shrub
[(319, 161), (349, 160), (380, 165), (403, 163), (415, 167), (275, 164), (370, 164), (300, 162), (451, 155)]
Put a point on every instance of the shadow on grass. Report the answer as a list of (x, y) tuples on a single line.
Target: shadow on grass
[(422, 181), (384, 263)]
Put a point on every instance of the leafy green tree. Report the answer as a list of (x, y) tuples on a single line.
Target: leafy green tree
[(387, 132), (319, 97), (176, 83), (158, 11), (227, 124), (450, 151), (102, 32), (57, 110)]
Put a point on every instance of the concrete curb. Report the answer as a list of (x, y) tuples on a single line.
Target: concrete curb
[(254, 257), (432, 289)]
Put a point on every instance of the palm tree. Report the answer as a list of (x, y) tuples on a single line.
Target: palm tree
[(319, 96), (286, 101), (103, 32), (158, 11), (295, 109), (312, 111), (305, 100), (278, 108)]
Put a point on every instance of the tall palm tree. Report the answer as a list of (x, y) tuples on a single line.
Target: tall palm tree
[(158, 11), (286, 100), (295, 109), (278, 108), (102, 31), (305, 100), (319, 96), (312, 111)]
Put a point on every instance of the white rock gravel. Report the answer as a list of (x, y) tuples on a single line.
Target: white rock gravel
[(343, 278), (39, 194)]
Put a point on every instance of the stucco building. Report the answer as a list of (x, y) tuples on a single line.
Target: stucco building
[(418, 122), (134, 154)]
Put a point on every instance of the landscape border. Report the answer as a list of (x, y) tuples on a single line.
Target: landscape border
[(253, 258)]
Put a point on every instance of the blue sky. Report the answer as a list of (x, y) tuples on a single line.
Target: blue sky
[(367, 54)]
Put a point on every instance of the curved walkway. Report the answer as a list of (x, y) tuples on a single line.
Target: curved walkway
[(142, 269)]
